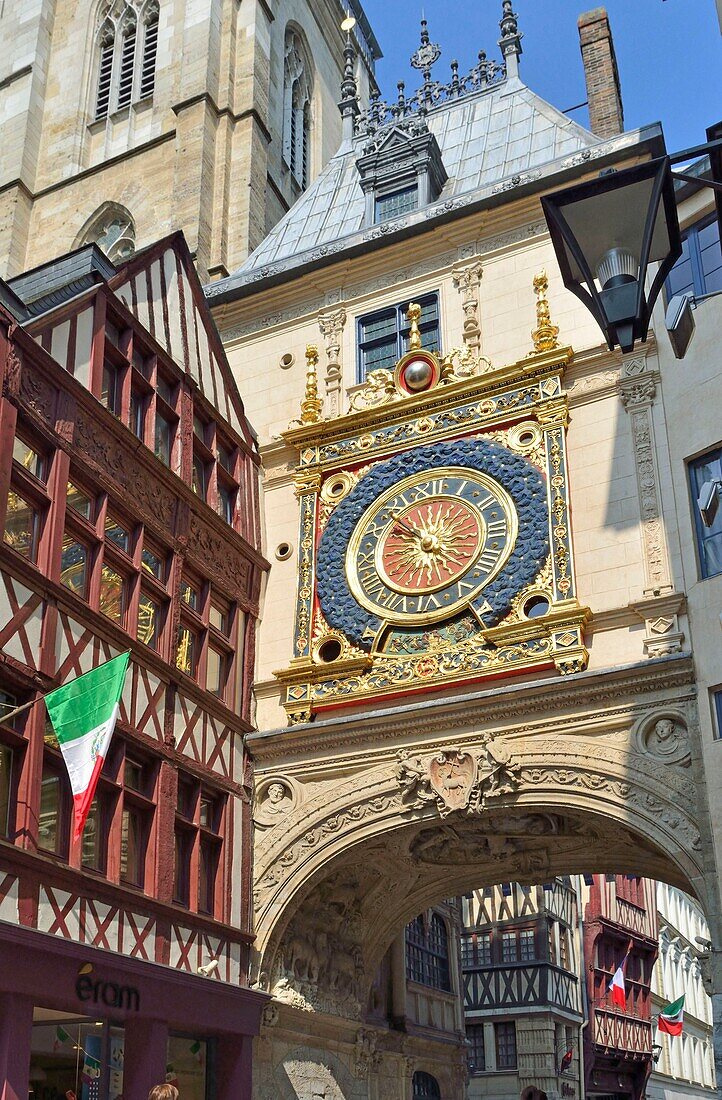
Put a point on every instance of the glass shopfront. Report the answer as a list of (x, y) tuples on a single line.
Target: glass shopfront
[(84, 1057)]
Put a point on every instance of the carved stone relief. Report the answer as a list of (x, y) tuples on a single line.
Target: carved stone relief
[(331, 327), (466, 280), (458, 780), (275, 799), (665, 737)]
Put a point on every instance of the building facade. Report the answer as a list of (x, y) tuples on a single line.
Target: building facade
[(684, 1064), (123, 120), (406, 320), (130, 517), (523, 989)]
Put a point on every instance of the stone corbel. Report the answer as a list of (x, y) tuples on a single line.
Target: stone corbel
[(331, 327), (466, 280), (660, 616), (637, 387)]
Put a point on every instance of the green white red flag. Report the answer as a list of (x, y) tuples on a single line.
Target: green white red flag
[(671, 1017), (83, 714)]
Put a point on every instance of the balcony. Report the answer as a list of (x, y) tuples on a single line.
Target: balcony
[(519, 985), (614, 1032)]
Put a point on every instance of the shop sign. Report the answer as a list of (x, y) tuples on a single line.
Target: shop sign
[(110, 994)]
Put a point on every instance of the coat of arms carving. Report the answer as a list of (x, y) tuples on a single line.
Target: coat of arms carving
[(452, 774)]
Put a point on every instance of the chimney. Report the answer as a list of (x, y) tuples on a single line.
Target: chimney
[(606, 114)]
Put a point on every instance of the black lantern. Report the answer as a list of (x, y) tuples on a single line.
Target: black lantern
[(605, 233)]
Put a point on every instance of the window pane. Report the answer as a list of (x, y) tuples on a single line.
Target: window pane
[(379, 325), (137, 413), (49, 819), (181, 886), (215, 672), (165, 389), (152, 564), (475, 1038), (226, 457), (92, 841), (207, 867), (189, 595), (218, 618), (6, 778), (30, 459), (400, 202), (117, 534), (526, 945), (112, 595), (226, 502), (133, 775), (78, 501), (131, 837), (505, 1045), (21, 524), (199, 427), (148, 621), (163, 438), (198, 481), (186, 652), (509, 947), (73, 565), (110, 388)]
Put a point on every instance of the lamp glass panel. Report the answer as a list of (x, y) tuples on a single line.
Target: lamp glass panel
[(615, 218)]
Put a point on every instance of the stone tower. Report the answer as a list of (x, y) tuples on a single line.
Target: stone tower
[(124, 119)]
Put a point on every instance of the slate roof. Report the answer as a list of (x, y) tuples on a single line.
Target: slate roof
[(491, 141)]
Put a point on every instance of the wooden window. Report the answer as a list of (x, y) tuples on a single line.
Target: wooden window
[(505, 1041), (198, 845), (509, 947), (427, 953), (477, 1054), (110, 392), (105, 72), (150, 50), (136, 818), (383, 336), (199, 480), (564, 960), (164, 435), (7, 778), (210, 639), (127, 63), (29, 458), (94, 842), (27, 500), (54, 815), (79, 501), (21, 527), (527, 946), (74, 565)]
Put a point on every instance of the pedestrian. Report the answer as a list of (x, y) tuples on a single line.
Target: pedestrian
[(163, 1092)]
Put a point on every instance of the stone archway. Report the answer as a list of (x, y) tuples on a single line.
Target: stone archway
[(389, 813)]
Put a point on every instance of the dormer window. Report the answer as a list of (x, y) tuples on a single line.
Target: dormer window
[(400, 169), (396, 203)]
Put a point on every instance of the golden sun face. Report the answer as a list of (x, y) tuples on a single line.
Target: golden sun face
[(430, 545)]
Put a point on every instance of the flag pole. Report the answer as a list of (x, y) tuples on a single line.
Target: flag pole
[(19, 710)]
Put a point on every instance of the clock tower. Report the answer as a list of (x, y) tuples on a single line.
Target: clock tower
[(435, 528)]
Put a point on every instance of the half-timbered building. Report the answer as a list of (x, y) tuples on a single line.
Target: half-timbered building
[(130, 519), (620, 930), (523, 997)]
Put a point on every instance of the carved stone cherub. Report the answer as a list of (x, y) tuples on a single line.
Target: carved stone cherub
[(413, 777)]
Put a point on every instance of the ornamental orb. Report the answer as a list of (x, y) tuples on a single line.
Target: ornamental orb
[(418, 375)]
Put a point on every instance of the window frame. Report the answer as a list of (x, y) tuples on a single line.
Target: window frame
[(476, 1044), (504, 1065), (199, 837), (691, 236), (402, 329), (699, 528), (402, 208), (426, 963)]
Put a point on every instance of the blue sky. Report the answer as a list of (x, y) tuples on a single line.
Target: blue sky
[(669, 53)]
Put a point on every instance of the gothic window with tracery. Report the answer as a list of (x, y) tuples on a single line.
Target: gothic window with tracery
[(112, 229), (127, 44), (297, 82)]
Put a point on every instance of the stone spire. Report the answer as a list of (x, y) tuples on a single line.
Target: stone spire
[(348, 106), (510, 41)]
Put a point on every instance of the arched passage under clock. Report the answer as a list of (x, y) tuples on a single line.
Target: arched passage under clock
[(387, 814)]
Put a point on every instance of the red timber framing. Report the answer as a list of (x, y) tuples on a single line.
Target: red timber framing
[(130, 514), (620, 929)]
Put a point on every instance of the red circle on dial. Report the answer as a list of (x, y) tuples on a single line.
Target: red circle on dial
[(431, 544)]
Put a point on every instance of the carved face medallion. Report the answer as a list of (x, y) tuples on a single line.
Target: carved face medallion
[(452, 775)]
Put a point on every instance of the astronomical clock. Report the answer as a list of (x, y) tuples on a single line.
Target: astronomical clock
[(435, 543)]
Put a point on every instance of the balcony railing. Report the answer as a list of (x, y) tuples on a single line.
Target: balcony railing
[(613, 1031), (518, 985)]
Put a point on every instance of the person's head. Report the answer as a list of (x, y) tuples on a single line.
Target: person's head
[(163, 1092)]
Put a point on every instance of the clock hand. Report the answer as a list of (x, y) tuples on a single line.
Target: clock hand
[(405, 527)]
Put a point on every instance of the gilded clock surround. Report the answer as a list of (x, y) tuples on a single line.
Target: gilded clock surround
[(382, 469)]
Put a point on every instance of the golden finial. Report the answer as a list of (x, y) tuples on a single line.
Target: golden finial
[(413, 314), (545, 334), (312, 405)]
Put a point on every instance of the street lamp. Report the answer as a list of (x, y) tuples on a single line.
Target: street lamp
[(608, 230), (605, 234)]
